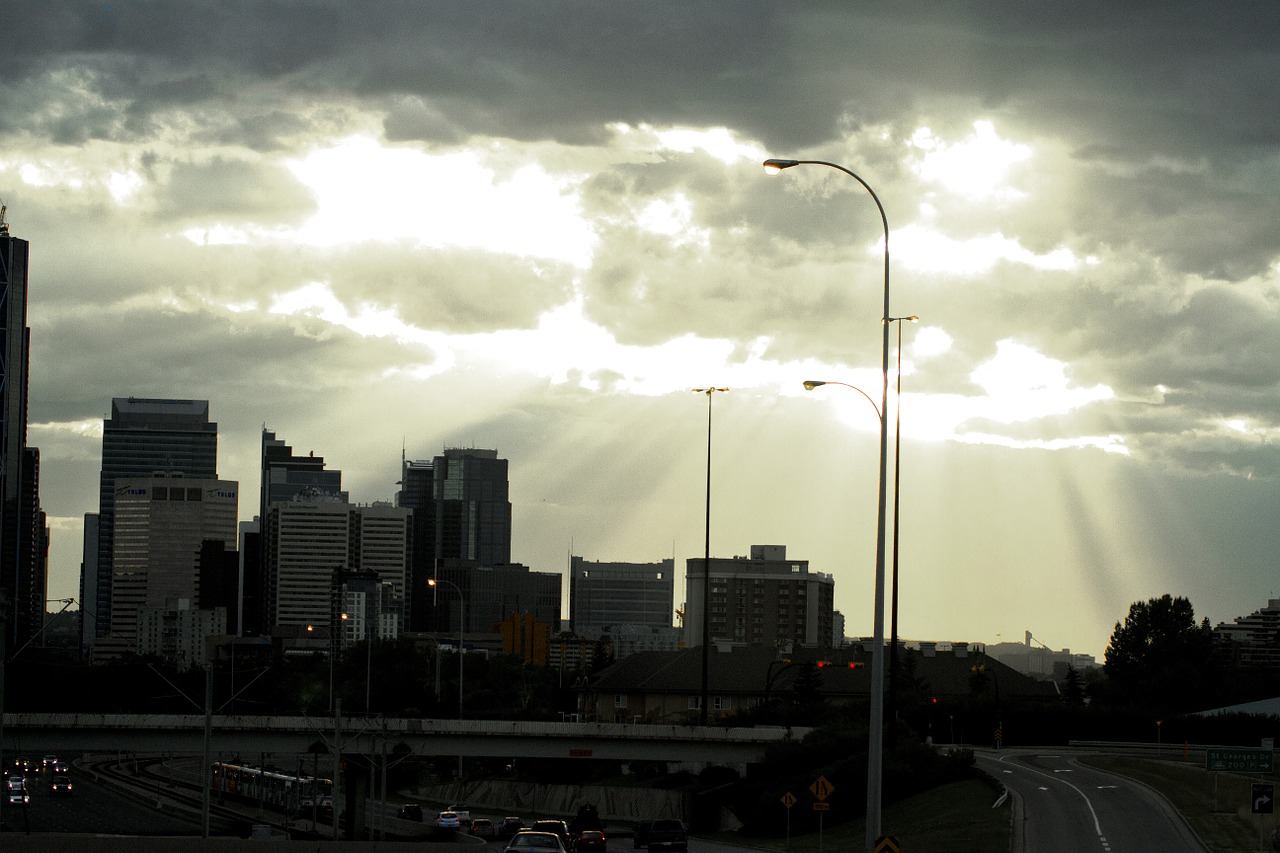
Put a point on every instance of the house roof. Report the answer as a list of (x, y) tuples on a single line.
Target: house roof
[(751, 670)]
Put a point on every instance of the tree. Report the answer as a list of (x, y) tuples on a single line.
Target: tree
[(1160, 658)]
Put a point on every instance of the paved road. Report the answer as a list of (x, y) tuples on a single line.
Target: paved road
[(1062, 806)]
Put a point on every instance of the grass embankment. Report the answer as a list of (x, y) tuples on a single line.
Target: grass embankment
[(955, 818), (1215, 805)]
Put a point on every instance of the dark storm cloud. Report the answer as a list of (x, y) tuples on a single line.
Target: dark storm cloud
[(1126, 80)]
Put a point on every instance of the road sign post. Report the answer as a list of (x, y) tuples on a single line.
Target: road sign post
[(788, 800)]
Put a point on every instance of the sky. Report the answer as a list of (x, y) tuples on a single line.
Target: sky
[(395, 227)]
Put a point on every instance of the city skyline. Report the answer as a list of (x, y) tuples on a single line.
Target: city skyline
[(535, 228)]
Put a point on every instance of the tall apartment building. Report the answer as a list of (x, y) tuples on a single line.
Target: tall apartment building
[(23, 532), (313, 542), (462, 512), (161, 525), (613, 595), (1250, 641), (143, 438), (761, 599)]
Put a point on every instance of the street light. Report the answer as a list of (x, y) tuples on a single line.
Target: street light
[(875, 747), (311, 629), (897, 493), (706, 572), (462, 622)]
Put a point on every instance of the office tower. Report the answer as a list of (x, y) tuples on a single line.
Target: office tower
[(285, 475), (416, 486), (493, 593), (161, 525), (23, 535), (89, 584), (764, 598), (461, 512), (612, 595), (143, 438), (312, 542), (472, 512)]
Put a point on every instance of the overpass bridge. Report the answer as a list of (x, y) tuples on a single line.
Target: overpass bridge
[(37, 734)]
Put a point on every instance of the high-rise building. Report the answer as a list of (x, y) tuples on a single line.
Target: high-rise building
[(23, 533), (472, 509), (313, 542), (761, 599), (285, 475), (612, 595), (493, 593), (161, 525), (461, 512), (145, 438), (416, 486)]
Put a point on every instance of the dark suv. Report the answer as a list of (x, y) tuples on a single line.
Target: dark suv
[(667, 836)]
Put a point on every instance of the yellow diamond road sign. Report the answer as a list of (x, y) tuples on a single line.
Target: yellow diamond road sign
[(788, 799), (821, 788)]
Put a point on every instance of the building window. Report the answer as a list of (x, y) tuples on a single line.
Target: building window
[(695, 703), (620, 700), (722, 703)]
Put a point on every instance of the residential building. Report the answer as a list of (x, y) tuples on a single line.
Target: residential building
[(1253, 640), (370, 608), (24, 533), (609, 595), (161, 526), (761, 599), (180, 632), (143, 438)]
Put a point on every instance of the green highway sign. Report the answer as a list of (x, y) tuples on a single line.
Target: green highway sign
[(1238, 759)]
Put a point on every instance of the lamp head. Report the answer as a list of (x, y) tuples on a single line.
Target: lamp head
[(431, 582), (810, 384), (773, 166)]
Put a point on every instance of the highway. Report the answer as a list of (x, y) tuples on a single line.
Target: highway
[(1062, 806)]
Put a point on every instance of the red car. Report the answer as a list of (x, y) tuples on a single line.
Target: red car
[(589, 841)]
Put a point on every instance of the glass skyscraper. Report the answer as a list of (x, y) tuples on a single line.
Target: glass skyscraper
[(146, 438)]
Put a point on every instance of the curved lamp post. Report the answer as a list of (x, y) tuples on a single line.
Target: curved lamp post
[(706, 573), (897, 493), (875, 747), (462, 622)]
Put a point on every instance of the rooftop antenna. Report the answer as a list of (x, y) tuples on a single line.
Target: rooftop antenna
[(4, 226)]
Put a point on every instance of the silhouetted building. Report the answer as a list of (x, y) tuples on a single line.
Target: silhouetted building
[(219, 581), (494, 593), (145, 438), (23, 534), (613, 595), (762, 599), (462, 512)]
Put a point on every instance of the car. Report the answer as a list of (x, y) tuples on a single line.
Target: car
[(482, 827), (410, 811), (448, 820), (667, 836), (510, 826), (558, 828), (17, 792), (590, 841), (48, 762), (60, 786), (535, 842)]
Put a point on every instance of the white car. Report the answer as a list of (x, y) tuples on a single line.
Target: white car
[(448, 820), (535, 842)]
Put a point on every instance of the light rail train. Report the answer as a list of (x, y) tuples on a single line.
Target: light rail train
[(284, 791)]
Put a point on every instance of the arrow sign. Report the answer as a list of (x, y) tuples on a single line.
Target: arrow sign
[(1263, 796), (821, 788), (788, 799)]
